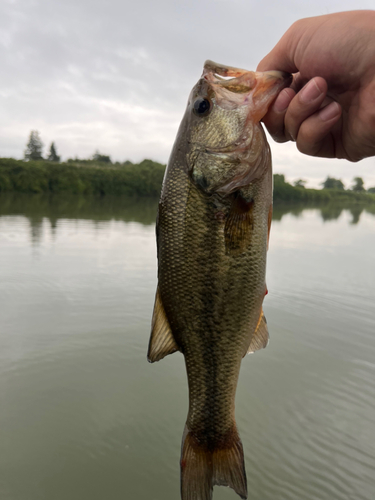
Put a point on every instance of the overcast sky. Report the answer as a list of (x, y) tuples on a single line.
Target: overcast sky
[(115, 75)]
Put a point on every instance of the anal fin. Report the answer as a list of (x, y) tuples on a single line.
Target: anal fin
[(260, 338), (162, 341)]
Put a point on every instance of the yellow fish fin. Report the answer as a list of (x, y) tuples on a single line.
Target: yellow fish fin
[(162, 341), (260, 338), (202, 467)]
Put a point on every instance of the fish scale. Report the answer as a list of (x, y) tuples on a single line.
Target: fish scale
[(212, 232)]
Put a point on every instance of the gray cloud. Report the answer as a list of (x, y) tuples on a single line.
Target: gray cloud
[(115, 75)]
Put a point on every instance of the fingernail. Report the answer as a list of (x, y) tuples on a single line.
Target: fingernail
[(329, 111), (282, 101), (310, 92)]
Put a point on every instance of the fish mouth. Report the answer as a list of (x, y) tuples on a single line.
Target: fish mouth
[(231, 88), (234, 87)]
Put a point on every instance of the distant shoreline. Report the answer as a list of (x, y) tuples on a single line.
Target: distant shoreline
[(139, 180)]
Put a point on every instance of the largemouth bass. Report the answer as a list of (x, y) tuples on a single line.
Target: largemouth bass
[(212, 231)]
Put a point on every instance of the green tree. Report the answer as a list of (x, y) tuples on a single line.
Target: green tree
[(279, 178), (34, 147), (101, 158), (53, 156), (358, 184), (300, 183), (332, 183), (371, 190)]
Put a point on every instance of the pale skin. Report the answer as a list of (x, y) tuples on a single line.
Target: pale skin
[(329, 110)]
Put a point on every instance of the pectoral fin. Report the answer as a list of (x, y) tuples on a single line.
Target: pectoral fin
[(162, 342), (239, 226), (260, 337)]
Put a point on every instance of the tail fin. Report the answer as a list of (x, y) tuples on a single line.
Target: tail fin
[(202, 469)]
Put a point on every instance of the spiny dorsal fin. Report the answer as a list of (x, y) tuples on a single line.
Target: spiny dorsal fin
[(162, 342), (261, 336)]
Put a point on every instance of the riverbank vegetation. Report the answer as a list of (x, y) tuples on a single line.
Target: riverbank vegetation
[(81, 177), (99, 176), (284, 192)]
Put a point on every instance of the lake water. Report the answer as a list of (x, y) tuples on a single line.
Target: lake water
[(83, 416)]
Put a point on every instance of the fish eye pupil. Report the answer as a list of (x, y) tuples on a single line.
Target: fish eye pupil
[(201, 106)]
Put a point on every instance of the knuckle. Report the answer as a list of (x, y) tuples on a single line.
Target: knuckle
[(308, 140), (275, 128), (301, 146), (293, 117), (279, 138), (307, 148)]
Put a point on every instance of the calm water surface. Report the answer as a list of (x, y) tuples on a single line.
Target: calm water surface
[(83, 416)]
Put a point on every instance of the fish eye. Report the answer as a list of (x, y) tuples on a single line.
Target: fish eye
[(201, 106)]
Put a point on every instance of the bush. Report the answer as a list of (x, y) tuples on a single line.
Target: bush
[(144, 179)]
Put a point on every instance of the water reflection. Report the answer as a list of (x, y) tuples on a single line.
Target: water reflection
[(328, 212), (36, 224), (356, 213), (83, 415), (55, 207), (331, 213), (36, 208), (39, 207)]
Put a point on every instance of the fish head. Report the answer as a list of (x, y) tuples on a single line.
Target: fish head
[(225, 146)]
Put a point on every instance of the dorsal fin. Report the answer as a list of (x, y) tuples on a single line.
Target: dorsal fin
[(260, 337), (162, 341)]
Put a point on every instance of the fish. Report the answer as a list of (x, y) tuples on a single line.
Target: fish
[(212, 230)]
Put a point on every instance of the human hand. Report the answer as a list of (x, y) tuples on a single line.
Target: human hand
[(329, 110)]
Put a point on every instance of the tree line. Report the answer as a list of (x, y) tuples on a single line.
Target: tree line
[(34, 152), (358, 184), (34, 149)]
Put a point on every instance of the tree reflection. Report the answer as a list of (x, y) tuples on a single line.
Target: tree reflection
[(142, 210), (356, 213), (36, 226), (54, 207), (280, 210), (330, 212)]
